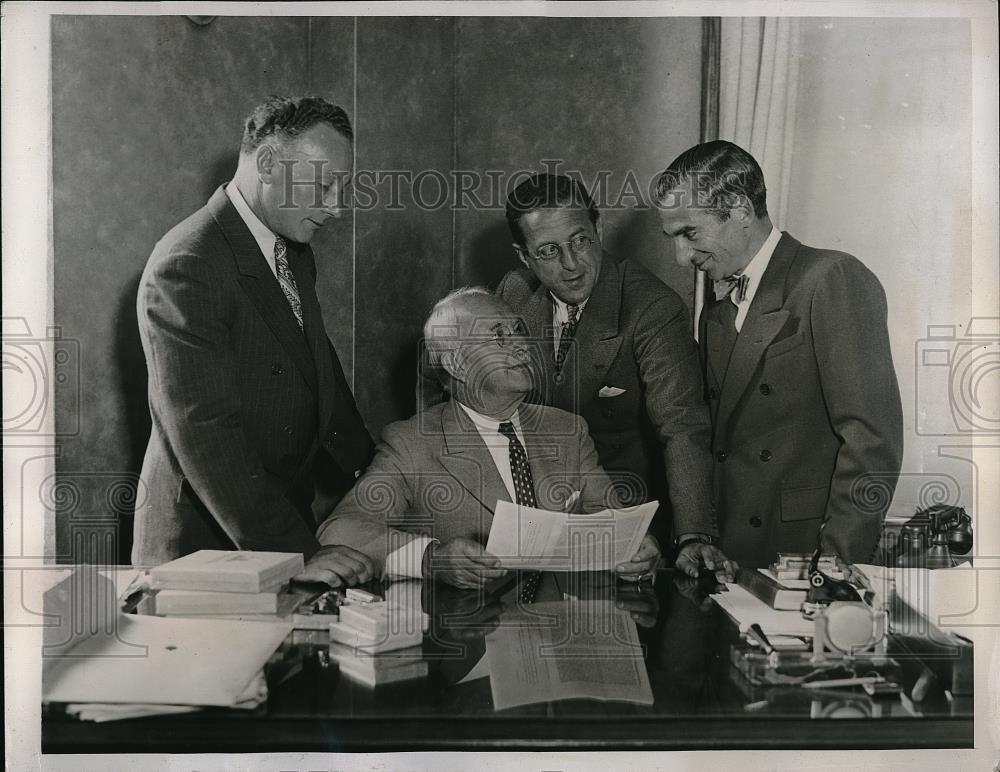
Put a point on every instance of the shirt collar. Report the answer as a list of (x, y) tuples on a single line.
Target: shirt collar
[(261, 233), (561, 309), (758, 264), (486, 424)]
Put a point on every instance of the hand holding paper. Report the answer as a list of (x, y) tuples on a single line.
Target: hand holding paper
[(524, 537)]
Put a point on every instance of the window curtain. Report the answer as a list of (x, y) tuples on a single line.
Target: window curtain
[(752, 64)]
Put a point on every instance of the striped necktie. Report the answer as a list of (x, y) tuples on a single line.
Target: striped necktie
[(286, 279), (524, 490), (566, 335)]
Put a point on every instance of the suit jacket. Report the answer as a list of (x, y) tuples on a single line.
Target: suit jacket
[(807, 422), (434, 475), (243, 401), (634, 335)]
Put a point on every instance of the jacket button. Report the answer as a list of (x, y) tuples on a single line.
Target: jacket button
[(277, 369), (765, 455), (765, 389), (720, 456), (609, 413), (756, 522), (713, 393)]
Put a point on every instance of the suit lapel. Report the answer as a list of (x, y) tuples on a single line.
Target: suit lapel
[(764, 319), (597, 339), (543, 453), (262, 287), (466, 457), (302, 261)]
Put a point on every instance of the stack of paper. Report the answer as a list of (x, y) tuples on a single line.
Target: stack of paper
[(228, 571), (376, 669), (377, 627), (224, 583), (118, 666), (745, 610)]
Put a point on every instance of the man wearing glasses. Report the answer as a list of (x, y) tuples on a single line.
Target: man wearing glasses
[(621, 355), (425, 505)]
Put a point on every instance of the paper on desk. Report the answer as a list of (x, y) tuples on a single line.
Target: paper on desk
[(169, 661), (253, 695), (745, 609), (566, 650), (942, 595), (524, 537)]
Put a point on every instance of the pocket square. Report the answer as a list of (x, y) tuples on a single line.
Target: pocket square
[(610, 391)]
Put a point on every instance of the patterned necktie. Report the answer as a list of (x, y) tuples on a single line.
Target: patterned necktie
[(524, 490), (286, 279), (566, 336), (733, 287)]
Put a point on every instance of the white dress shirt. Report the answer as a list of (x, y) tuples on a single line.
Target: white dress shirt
[(560, 317), (407, 561), (261, 233), (754, 272)]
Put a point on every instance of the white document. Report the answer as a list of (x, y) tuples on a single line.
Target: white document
[(745, 609), (524, 537), (945, 597), (181, 662), (566, 650)]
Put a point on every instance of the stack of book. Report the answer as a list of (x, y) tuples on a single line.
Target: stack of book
[(362, 639), (224, 583)]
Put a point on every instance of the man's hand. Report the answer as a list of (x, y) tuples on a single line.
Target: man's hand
[(461, 563), (695, 554), (337, 566), (640, 602), (643, 562)]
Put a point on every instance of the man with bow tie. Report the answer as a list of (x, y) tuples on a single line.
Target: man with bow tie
[(806, 414), (249, 403)]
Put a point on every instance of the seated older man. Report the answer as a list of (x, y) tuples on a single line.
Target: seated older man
[(425, 505)]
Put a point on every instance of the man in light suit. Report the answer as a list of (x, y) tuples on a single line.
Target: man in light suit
[(247, 395), (807, 422), (621, 354), (425, 505)]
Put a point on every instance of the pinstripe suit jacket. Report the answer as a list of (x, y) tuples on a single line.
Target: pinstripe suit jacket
[(243, 401)]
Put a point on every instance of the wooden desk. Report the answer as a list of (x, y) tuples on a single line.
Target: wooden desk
[(699, 701)]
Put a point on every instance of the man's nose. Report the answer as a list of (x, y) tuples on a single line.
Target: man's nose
[(567, 258), (683, 253)]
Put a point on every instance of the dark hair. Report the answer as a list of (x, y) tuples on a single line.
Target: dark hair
[(721, 171), (546, 191), (286, 117)]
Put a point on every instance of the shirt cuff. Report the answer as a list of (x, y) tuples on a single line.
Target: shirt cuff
[(407, 561)]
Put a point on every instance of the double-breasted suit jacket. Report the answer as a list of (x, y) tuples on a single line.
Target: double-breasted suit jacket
[(807, 422), (633, 373), (243, 401)]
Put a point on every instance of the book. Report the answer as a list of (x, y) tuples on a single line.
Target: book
[(374, 669), (228, 571), (768, 589), (209, 602), (371, 643)]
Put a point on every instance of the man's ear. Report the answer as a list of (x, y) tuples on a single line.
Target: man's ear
[(454, 364), (741, 210), (266, 160), (599, 227), (522, 255)]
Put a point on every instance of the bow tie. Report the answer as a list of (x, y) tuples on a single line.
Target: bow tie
[(732, 286)]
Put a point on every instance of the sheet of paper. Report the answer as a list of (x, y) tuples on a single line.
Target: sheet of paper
[(943, 596), (172, 661), (566, 650), (524, 537), (746, 609)]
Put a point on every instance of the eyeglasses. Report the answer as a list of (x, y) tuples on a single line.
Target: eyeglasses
[(579, 244)]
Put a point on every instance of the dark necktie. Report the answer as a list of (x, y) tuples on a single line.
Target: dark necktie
[(286, 279), (566, 335), (524, 490)]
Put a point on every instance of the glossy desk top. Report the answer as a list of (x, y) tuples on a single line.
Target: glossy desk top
[(591, 664)]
